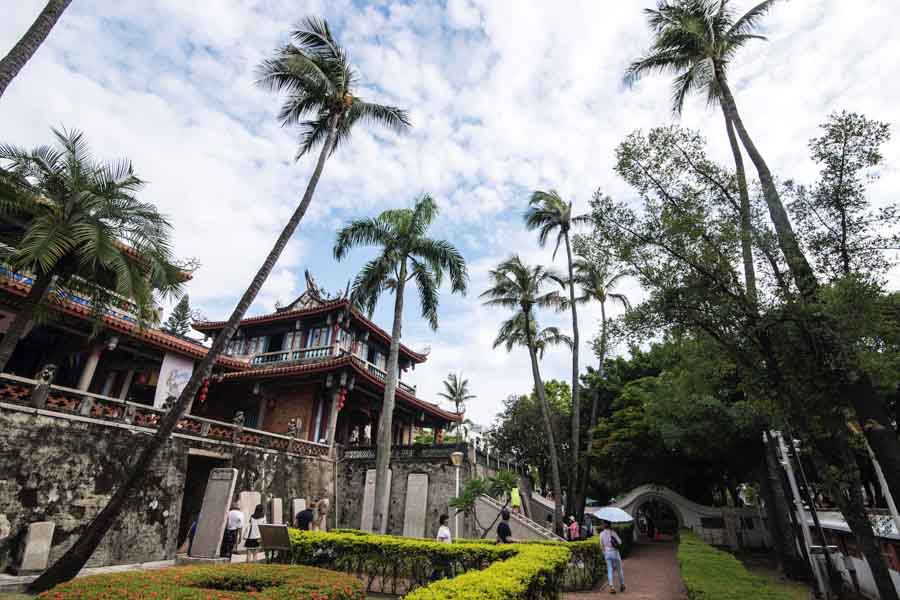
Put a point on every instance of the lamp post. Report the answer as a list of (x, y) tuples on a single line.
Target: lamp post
[(456, 458)]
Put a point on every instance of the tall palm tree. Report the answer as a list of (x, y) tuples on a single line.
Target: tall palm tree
[(595, 280), (548, 213), (520, 287), (320, 84), (406, 254), (697, 40), (25, 48), (456, 390), (82, 224)]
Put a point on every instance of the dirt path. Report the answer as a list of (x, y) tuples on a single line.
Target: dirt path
[(651, 573)]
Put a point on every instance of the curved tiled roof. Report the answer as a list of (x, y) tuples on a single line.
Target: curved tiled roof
[(331, 364), (328, 305), (154, 337)]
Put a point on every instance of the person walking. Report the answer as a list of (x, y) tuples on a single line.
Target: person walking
[(515, 500), (234, 525), (443, 534), (574, 529), (253, 534), (610, 542), (504, 533)]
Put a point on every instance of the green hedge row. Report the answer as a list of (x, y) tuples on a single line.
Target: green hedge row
[(428, 570), (711, 574), (223, 582)]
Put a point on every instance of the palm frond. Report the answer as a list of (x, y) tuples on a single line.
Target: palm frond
[(391, 117), (750, 19), (428, 294), (362, 232)]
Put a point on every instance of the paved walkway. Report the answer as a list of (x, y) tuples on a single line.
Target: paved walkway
[(651, 573)]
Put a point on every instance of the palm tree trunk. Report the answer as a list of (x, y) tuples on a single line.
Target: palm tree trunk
[(787, 239), (779, 512), (572, 498), (595, 409), (78, 554), (25, 48), (548, 427), (386, 421), (40, 287), (746, 226)]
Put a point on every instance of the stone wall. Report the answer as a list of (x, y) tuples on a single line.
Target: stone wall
[(441, 487), (64, 468)]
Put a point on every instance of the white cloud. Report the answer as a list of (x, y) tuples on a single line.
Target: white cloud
[(506, 97)]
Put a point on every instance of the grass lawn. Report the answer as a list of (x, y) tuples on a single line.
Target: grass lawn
[(768, 571)]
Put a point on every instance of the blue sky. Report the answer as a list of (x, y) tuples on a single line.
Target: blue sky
[(505, 96)]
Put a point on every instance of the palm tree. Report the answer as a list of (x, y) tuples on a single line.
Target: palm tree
[(519, 287), (696, 40), (82, 224), (320, 83), (456, 390), (596, 280), (25, 48), (549, 213), (406, 254)]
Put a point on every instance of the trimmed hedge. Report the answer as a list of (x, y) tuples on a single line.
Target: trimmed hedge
[(711, 574), (434, 571), (223, 582)]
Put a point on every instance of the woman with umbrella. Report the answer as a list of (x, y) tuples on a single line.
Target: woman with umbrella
[(611, 542)]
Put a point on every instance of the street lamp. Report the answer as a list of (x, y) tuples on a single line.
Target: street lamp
[(456, 458)]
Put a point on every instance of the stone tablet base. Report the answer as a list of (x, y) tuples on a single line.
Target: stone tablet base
[(184, 559)]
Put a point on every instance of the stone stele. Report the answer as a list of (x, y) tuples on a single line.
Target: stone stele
[(297, 506), (213, 512), (368, 507), (38, 541), (277, 514), (416, 503), (248, 502)]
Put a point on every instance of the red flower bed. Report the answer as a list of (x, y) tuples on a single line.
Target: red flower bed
[(225, 582)]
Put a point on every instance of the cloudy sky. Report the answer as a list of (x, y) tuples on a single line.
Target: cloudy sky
[(506, 97)]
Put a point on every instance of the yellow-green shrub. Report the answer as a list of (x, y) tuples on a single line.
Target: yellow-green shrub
[(711, 574)]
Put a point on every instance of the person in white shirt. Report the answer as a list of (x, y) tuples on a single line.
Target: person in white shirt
[(610, 541), (233, 527), (254, 536), (443, 534)]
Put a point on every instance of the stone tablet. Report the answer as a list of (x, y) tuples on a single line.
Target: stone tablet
[(368, 507), (416, 503), (214, 511), (247, 502), (277, 513), (38, 541), (297, 505)]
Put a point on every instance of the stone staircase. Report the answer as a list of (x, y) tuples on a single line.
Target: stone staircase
[(522, 527)]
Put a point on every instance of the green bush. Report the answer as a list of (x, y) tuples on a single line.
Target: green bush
[(430, 570), (223, 582), (711, 574)]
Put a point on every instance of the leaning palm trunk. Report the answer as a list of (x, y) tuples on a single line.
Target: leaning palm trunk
[(39, 290), (548, 427), (746, 227), (25, 48), (574, 506), (78, 554), (595, 409), (386, 421), (854, 386)]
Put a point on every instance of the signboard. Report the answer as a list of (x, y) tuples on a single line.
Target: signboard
[(275, 537), (173, 377)]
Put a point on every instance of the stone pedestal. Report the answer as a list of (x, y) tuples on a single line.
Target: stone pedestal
[(213, 513), (38, 542), (368, 507), (414, 514)]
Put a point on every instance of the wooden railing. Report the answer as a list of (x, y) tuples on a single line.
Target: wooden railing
[(68, 401), (381, 375), (303, 354)]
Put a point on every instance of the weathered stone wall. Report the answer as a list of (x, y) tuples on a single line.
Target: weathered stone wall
[(441, 487), (64, 469)]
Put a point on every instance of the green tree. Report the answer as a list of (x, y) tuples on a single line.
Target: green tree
[(320, 83), (498, 487), (520, 287), (837, 223), (21, 53), (596, 277), (83, 228), (456, 390), (406, 254), (179, 321), (548, 213)]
